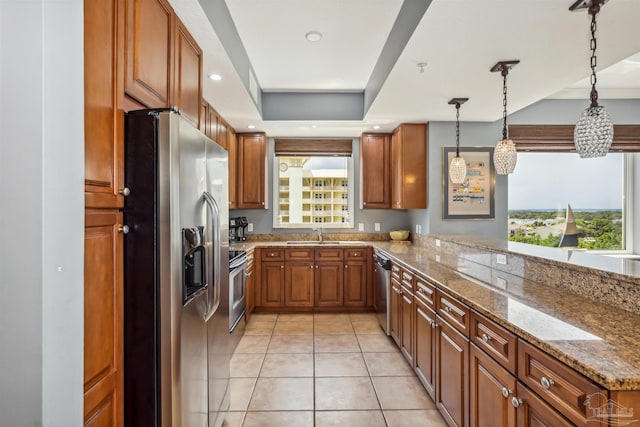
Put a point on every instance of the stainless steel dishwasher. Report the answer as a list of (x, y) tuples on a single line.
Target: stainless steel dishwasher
[(383, 288)]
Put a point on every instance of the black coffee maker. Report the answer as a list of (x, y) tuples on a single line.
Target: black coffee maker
[(238, 229)]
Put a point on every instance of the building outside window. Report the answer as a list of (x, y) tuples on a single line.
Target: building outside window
[(313, 190), (542, 186)]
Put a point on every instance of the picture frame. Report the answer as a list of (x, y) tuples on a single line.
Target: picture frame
[(475, 198)]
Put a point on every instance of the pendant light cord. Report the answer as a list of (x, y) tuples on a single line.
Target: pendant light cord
[(593, 11), (505, 71), (457, 129)]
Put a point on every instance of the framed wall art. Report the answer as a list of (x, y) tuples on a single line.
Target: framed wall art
[(474, 198)]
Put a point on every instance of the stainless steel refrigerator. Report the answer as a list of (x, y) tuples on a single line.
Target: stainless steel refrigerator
[(176, 274)]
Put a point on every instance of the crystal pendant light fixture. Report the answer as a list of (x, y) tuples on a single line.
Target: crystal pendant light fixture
[(593, 133), (504, 155), (458, 166)]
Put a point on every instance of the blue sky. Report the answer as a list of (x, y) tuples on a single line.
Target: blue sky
[(550, 181)]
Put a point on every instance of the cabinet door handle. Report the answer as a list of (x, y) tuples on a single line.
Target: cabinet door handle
[(346, 266), (516, 402), (311, 266), (486, 338), (506, 392), (124, 191), (446, 309), (421, 291), (282, 266), (124, 229), (546, 383)]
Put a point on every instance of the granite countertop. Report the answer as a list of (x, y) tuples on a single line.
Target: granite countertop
[(595, 339)]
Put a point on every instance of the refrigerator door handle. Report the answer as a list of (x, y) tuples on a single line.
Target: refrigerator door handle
[(214, 258)]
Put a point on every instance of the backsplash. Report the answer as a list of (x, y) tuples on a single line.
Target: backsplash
[(611, 288), (280, 237)]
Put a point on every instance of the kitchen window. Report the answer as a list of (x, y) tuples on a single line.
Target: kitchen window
[(598, 191), (313, 184)]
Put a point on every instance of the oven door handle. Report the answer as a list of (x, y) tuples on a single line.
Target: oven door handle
[(214, 255)]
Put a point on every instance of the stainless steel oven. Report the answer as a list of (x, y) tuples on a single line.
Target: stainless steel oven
[(237, 289)]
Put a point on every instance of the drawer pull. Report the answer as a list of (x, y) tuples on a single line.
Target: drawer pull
[(546, 383), (282, 266), (433, 323), (447, 309), (124, 229), (420, 290), (486, 338), (346, 266), (506, 392), (516, 402)]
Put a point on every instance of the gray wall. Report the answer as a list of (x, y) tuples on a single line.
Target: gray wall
[(41, 217), (262, 219), (480, 134), (442, 134)]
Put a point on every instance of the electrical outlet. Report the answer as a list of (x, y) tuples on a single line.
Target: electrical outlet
[(438, 242), (501, 259), (376, 226), (360, 226), (250, 227), (501, 283), (437, 258), (417, 228)]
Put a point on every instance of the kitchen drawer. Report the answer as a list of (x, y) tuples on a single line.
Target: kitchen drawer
[(454, 312), (406, 278), (328, 254), (494, 340), (299, 254), (562, 387), (426, 292), (356, 253), (395, 271), (272, 254)]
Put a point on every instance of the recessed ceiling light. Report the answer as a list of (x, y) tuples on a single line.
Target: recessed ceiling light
[(376, 127), (251, 126), (313, 36), (314, 126), (216, 77)]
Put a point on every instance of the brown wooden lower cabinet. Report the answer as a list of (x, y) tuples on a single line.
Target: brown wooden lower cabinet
[(251, 282), (452, 367), (103, 319), (355, 283), (491, 388), (424, 347), (298, 284), (328, 284), (406, 325), (272, 283), (395, 311), (534, 412)]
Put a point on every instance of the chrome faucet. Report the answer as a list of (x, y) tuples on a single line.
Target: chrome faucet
[(319, 230)]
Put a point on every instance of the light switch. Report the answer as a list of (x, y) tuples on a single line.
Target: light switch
[(250, 227), (438, 242), (360, 226), (376, 226)]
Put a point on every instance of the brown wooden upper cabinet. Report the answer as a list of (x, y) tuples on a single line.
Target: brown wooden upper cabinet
[(375, 150), (409, 166), (148, 68), (233, 168), (103, 123), (252, 166), (188, 74)]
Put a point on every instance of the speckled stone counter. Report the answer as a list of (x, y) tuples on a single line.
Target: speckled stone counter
[(600, 341), (597, 340)]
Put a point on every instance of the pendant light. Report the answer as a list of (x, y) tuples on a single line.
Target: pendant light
[(504, 155), (593, 133), (458, 166)]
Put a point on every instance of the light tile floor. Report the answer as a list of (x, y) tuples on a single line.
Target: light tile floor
[(324, 370)]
